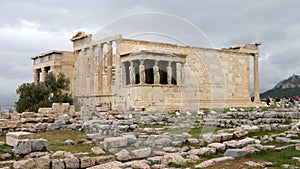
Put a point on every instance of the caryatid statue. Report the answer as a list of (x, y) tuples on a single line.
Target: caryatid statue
[(132, 73), (156, 73), (142, 72), (169, 73)]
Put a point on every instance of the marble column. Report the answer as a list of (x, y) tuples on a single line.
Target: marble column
[(109, 67), (100, 69), (182, 72), (132, 73), (156, 73), (44, 74), (36, 76), (256, 79), (142, 72), (169, 73), (178, 73)]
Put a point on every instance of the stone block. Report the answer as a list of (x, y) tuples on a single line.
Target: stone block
[(4, 115), (131, 139), (235, 153), (27, 114), (13, 137), (44, 110), (71, 162), (42, 162), (123, 155), (173, 158), (139, 164), (9, 124), (15, 116), (104, 159), (240, 133), (217, 146), (24, 164), (141, 153), (114, 142), (203, 151), (86, 162), (211, 162), (39, 144), (22, 147), (226, 136), (112, 164), (57, 164)]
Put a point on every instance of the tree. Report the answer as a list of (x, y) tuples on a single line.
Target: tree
[(52, 90)]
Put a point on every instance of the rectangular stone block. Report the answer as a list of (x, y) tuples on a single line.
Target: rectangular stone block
[(13, 137)]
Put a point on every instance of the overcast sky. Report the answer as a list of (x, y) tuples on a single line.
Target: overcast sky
[(28, 28)]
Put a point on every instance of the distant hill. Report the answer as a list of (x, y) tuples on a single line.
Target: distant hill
[(289, 87)]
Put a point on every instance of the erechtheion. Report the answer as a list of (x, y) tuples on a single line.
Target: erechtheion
[(116, 73)]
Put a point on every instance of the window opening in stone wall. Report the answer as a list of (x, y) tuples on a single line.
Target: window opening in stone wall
[(47, 69), (127, 73), (174, 73), (163, 72), (149, 71), (136, 64)]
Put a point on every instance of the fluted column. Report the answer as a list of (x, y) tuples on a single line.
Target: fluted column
[(44, 74), (109, 66), (169, 73), (182, 72), (256, 79), (178, 73), (36, 76), (142, 72), (100, 69)]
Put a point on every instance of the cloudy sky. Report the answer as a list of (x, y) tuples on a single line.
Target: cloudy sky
[(28, 28)]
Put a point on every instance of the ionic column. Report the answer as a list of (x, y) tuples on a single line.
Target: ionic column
[(256, 79), (142, 72), (131, 73), (109, 66), (156, 73), (178, 74), (43, 74), (182, 72), (169, 73), (36, 77), (100, 69)]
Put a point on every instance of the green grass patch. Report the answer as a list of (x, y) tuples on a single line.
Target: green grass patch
[(197, 131), (208, 157), (4, 148), (295, 137), (79, 148), (3, 139), (278, 158), (58, 137), (276, 144), (263, 133), (287, 121)]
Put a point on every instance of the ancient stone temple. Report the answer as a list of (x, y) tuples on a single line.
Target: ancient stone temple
[(54, 61), (116, 73)]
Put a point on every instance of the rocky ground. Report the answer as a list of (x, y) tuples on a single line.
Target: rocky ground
[(235, 138)]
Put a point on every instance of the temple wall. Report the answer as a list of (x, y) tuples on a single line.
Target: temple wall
[(211, 77)]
